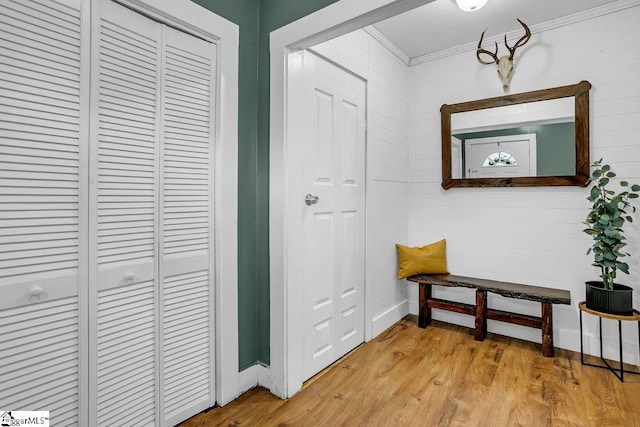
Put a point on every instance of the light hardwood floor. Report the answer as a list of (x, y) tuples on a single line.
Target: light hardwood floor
[(440, 376)]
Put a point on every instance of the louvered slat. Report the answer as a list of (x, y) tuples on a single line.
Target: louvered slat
[(126, 361), (186, 342), (40, 178), (126, 144), (187, 150), (40, 367)]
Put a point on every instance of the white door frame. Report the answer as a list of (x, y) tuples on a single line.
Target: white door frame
[(332, 21), (456, 147), (190, 17)]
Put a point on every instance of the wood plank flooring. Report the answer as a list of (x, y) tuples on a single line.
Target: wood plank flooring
[(440, 376)]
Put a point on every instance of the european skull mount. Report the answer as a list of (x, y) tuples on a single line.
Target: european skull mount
[(505, 63)]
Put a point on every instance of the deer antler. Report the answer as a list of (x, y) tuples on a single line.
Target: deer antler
[(505, 63), (491, 54), (523, 40)]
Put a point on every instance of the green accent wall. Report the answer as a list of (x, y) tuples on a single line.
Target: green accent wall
[(555, 146), (256, 19), (245, 13)]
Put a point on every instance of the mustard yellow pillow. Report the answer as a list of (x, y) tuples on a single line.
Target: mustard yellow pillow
[(429, 259)]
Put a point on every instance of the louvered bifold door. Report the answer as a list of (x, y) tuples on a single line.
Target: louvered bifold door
[(186, 263), (125, 95), (153, 240), (40, 208)]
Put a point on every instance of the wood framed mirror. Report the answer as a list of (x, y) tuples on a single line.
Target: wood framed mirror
[(530, 139)]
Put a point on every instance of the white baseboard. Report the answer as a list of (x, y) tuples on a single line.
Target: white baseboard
[(412, 288), (610, 348), (256, 375), (413, 307), (389, 317), (264, 377)]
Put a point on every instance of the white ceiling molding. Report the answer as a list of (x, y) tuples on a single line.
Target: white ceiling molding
[(384, 41), (544, 26)]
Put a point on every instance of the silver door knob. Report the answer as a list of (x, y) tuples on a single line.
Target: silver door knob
[(310, 199), (35, 291)]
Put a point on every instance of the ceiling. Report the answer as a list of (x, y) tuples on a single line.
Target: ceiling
[(441, 25)]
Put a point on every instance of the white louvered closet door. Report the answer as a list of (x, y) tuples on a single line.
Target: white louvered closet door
[(153, 193), (42, 208), (186, 216), (125, 79)]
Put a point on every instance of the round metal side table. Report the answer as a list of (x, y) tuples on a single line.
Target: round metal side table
[(635, 317)]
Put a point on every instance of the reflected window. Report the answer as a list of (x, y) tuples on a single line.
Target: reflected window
[(500, 158)]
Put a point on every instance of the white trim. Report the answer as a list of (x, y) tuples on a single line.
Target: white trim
[(384, 41), (248, 378), (389, 317), (253, 376), (187, 15), (84, 293), (332, 21), (182, 14), (338, 19), (585, 15), (264, 376), (412, 290)]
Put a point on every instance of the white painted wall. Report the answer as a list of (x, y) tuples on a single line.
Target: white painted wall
[(388, 92), (530, 235)]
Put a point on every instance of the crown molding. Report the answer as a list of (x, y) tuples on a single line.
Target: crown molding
[(384, 41), (585, 15)]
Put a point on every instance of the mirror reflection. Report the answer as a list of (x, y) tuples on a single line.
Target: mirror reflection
[(531, 139), (538, 138)]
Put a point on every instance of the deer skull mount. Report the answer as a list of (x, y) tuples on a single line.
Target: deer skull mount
[(505, 63)]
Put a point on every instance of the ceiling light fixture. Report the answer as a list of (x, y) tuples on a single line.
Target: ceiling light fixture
[(470, 5)]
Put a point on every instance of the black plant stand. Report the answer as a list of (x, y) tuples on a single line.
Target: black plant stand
[(619, 373)]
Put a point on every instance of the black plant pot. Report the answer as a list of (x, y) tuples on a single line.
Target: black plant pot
[(618, 300)]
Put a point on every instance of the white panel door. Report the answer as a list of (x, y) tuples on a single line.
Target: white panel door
[(501, 156), (328, 130), (42, 209)]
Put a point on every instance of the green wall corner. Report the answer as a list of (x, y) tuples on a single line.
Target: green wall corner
[(256, 19)]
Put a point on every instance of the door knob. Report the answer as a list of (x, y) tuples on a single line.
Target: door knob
[(35, 291), (310, 199)]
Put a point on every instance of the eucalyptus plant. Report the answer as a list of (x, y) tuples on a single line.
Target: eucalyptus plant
[(608, 214)]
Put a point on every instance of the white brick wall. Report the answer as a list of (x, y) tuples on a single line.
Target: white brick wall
[(531, 235), (387, 169)]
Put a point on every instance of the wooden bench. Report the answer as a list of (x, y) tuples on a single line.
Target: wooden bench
[(546, 296)]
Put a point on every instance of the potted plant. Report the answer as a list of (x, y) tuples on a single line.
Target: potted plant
[(605, 221)]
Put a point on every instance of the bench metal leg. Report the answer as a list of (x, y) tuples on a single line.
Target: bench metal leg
[(424, 316), (547, 329), (481, 321)]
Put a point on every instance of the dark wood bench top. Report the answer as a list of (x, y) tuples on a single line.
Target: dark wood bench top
[(511, 290)]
